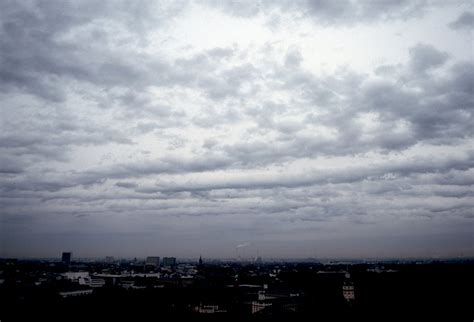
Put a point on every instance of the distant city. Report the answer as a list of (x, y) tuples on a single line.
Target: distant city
[(209, 289)]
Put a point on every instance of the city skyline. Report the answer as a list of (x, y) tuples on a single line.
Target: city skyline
[(283, 129)]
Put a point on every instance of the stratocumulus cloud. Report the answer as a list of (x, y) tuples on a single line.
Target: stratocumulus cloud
[(335, 128)]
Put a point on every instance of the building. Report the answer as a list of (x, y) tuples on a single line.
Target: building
[(76, 293), (127, 284), (348, 289), (110, 279), (75, 276), (208, 309), (152, 263), (96, 282), (169, 261), (66, 257), (91, 281), (258, 306)]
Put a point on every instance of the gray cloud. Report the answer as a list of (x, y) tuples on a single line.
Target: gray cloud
[(327, 12), (126, 184), (405, 115), (293, 58), (425, 57), (350, 175), (35, 39), (116, 122), (464, 21)]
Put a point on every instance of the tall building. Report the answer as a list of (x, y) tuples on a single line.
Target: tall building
[(66, 257), (169, 261), (348, 289), (152, 263)]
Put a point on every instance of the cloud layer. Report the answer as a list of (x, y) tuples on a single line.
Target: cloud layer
[(297, 129)]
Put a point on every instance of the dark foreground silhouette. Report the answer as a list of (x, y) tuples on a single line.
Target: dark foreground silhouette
[(241, 292)]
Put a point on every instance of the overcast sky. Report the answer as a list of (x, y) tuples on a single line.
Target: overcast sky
[(223, 128)]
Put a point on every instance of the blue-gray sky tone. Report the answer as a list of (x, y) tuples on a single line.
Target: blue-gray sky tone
[(234, 128)]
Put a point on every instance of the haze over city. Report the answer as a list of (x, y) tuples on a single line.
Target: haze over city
[(280, 129)]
